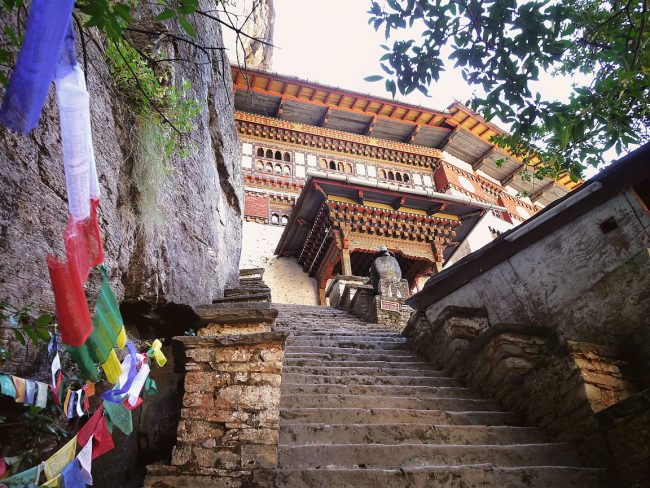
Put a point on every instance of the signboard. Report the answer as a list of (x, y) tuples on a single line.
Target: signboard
[(389, 305)]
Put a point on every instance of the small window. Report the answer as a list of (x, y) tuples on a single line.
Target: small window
[(269, 154), (278, 169), (382, 174), (275, 218), (398, 176), (287, 157), (286, 170), (269, 167), (285, 220), (323, 163), (259, 165), (333, 165), (278, 155), (340, 167), (260, 152), (348, 168), (391, 176), (407, 178)]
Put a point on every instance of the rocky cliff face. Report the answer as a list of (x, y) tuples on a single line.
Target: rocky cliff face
[(192, 252), (256, 19)]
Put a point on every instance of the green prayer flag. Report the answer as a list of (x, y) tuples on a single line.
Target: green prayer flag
[(120, 416), (7, 385), (150, 387), (25, 479), (107, 324)]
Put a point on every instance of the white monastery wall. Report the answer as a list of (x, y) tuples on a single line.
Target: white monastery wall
[(288, 282)]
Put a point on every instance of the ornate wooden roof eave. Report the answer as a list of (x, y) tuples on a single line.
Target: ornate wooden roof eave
[(446, 118), (239, 77), (344, 137)]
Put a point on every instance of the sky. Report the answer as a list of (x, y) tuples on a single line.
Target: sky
[(330, 42)]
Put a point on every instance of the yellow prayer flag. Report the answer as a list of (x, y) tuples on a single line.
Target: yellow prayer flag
[(66, 402), (60, 459), (54, 482), (157, 353), (112, 368), (121, 338), (19, 383)]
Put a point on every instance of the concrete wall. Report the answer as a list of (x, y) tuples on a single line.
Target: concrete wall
[(590, 285), (288, 282), (479, 236)]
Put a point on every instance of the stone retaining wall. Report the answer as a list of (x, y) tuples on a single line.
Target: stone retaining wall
[(525, 368)]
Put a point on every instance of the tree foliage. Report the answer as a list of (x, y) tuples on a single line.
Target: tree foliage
[(503, 45)]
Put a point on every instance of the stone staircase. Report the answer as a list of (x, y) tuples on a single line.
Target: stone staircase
[(359, 409)]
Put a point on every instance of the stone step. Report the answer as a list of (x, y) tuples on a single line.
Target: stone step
[(401, 402), (368, 380), (364, 371), (251, 271), (378, 356), (469, 476), (293, 362), (415, 455), (393, 415), (345, 342), (309, 434), (380, 390), (350, 335), (396, 348), (246, 291), (252, 297)]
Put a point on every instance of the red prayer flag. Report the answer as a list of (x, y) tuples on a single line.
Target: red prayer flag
[(96, 427), (83, 251)]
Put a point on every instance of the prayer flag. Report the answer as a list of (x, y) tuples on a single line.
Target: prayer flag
[(7, 385), (23, 479), (30, 392), (41, 394), (19, 384), (48, 25), (156, 353), (60, 459), (72, 476), (85, 457), (96, 430)]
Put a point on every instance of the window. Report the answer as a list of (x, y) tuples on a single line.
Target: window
[(391, 176), (348, 168), (285, 220), (278, 155), (278, 169), (333, 165), (269, 167), (260, 152), (287, 157), (340, 167), (398, 176), (259, 165), (269, 154), (382, 174), (407, 178), (286, 170), (275, 218), (323, 163)]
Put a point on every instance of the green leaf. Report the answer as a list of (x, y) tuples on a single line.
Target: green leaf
[(373, 78), (43, 334), (43, 320), (166, 15), (187, 27), (19, 336), (123, 11)]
